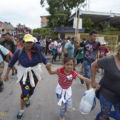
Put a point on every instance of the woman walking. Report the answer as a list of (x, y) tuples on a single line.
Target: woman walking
[(29, 69)]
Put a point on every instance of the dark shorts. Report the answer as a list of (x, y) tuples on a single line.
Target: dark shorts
[(79, 61)]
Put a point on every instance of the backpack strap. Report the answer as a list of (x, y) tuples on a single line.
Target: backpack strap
[(19, 54)]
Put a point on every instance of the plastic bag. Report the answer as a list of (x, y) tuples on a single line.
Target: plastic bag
[(88, 101)]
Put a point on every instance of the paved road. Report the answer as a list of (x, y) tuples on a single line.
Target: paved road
[(43, 102)]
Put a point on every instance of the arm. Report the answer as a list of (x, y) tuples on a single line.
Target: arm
[(52, 71), (48, 66), (44, 59), (94, 66), (84, 78), (65, 50), (11, 64)]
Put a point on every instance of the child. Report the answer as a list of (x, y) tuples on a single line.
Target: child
[(103, 50), (66, 74)]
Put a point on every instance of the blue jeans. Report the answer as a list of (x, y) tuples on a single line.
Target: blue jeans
[(66, 107), (106, 109), (87, 67)]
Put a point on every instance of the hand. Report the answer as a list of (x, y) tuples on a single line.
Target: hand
[(6, 78), (89, 81), (48, 66), (95, 85)]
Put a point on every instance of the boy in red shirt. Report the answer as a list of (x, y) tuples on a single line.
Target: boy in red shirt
[(103, 50)]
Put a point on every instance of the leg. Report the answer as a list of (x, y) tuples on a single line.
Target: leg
[(105, 109), (69, 109), (116, 113), (61, 109), (14, 70), (1, 72), (87, 71)]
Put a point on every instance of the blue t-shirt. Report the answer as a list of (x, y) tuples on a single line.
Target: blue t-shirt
[(70, 49), (4, 51)]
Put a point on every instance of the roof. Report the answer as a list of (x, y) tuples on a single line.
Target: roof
[(99, 16), (66, 29)]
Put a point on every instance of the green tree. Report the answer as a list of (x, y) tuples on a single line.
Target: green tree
[(60, 11), (88, 24), (48, 32)]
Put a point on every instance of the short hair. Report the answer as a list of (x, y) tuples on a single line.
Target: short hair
[(92, 32), (67, 58), (7, 33)]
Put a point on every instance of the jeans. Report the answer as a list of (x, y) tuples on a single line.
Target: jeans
[(87, 67), (65, 107)]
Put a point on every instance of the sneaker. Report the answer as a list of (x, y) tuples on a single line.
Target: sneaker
[(20, 114), (28, 103), (1, 86), (61, 118), (13, 74)]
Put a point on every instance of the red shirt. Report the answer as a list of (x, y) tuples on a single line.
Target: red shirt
[(65, 80), (103, 51)]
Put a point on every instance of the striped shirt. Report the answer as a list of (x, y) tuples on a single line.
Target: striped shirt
[(65, 80)]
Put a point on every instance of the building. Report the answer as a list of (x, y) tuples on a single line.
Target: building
[(98, 17), (6, 26)]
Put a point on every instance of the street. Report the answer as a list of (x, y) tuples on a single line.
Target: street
[(43, 102)]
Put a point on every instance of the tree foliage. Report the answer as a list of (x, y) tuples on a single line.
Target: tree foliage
[(48, 32), (60, 11), (88, 24)]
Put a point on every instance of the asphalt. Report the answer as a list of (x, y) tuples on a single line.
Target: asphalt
[(43, 102)]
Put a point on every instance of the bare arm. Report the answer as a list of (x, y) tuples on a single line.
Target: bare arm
[(65, 50), (94, 66), (48, 66), (52, 72), (84, 78)]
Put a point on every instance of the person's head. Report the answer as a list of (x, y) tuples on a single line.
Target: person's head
[(83, 39), (93, 35), (103, 43), (72, 40), (7, 36), (68, 63), (28, 41), (42, 37)]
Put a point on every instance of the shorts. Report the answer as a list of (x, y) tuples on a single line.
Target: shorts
[(79, 61)]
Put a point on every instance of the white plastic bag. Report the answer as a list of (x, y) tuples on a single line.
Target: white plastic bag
[(88, 101)]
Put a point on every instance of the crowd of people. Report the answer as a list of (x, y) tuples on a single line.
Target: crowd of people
[(91, 54)]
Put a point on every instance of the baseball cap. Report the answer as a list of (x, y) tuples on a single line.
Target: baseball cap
[(28, 38)]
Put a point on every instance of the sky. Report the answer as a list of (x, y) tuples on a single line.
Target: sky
[(28, 12)]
